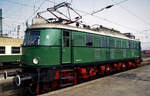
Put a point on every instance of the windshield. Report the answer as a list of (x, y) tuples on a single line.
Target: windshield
[(48, 37), (32, 38)]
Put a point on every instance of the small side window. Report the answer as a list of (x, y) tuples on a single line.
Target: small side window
[(125, 44), (112, 42), (2, 49), (66, 37), (134, 45), (139, 45), (129, 44), (89, 40), (15, 50), (96, 41), (104, 41), (119, 44)]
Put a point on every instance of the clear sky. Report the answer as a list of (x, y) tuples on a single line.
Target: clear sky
[(130, 16)]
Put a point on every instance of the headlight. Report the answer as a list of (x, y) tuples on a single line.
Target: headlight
[(35, 60)]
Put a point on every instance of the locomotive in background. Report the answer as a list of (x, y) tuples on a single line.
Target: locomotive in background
[(10, 51), (146, 53)]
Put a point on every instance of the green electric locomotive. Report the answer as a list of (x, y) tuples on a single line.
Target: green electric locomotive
[(57, 55), (54, 44)]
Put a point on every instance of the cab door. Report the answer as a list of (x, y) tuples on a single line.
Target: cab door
[(66, 47)]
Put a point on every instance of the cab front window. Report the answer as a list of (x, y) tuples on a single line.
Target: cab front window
[(32, 38), (46, 37)]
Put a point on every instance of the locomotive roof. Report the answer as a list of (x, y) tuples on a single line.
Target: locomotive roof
[(61, 26)]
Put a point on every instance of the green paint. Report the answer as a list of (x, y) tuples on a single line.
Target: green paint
[(50, 37), (46, 55), (9, 58), (117, 48), (66, 55)]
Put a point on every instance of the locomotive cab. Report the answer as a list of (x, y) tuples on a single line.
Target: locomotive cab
[(44, 50), (41, 47)]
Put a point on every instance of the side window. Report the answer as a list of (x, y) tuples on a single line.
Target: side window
[(2, 49), (15, 50), (119, 44), (134, 45), (107, 42), (78, 38), (138, 45), (129, 44), (123, 44), (112, 42), (66, 37), (104, 41), (89, 40), (97, 41)]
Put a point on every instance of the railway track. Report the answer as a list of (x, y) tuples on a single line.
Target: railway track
[(8, 70), (146, 61), (9, 67), (6, 86), (8, 89)]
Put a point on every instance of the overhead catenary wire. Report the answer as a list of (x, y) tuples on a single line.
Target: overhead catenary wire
[(133, 14), (36, 10), (115, 3), (145, 30), (21, 22), (104, 19), (112, 22), (107, 7), (34, 6), (21, 4), (118, 3), (137, 17)]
